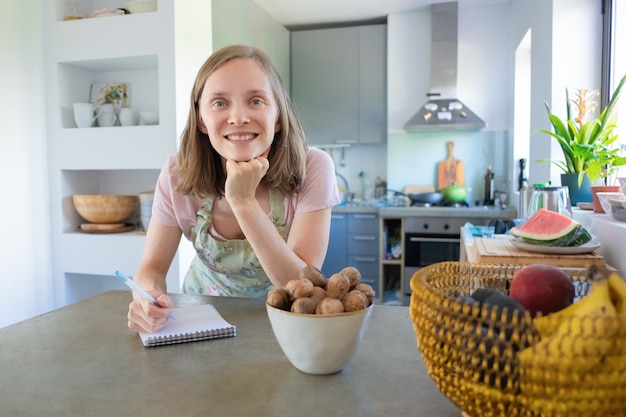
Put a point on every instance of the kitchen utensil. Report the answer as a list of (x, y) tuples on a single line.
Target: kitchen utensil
[(420, 198), (551, 198), (421, 194), (454, 193), (450, 171), (503, 250)]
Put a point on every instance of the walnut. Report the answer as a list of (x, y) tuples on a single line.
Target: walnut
[(314, 275), (337, 286), (304, 305), (279, 298), (353, 275), (318, 294), (329, 306), (355, 300), (367, 290), (300, 287)]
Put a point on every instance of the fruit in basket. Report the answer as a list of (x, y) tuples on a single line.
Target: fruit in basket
[(583, 337), (549, 228), (542, 289), (617, 288), (502, 332)]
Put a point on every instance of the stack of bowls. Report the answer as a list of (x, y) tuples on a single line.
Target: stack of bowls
[(146, 199), (618, 203)]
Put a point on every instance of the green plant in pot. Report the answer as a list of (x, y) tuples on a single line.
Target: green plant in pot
[(588, 145)]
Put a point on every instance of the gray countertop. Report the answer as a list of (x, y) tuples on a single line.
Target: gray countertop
[(464, 212), (83, 360)]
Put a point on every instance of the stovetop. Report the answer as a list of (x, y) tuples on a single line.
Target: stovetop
[(443, 204)]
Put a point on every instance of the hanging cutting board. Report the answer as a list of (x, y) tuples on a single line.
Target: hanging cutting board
[(500, 250), (451, 170)]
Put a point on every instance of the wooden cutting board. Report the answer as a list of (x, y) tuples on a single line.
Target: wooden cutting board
[(451, 170), (500, 250)]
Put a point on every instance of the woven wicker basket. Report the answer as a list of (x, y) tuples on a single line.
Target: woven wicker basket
[(471, 352)]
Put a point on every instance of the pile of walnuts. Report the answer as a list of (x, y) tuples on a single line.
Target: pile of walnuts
[(313, 293)]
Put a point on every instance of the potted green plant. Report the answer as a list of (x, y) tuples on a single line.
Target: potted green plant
[(588, 145)]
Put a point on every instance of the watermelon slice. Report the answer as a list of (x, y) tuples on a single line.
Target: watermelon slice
[(549, 228)]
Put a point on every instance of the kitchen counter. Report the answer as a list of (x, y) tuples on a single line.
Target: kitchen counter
[(83, 360), (459, 212), (610, 233)]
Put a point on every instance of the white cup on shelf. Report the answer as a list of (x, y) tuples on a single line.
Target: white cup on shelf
[(107, 116), (127, 116), (85, 114)]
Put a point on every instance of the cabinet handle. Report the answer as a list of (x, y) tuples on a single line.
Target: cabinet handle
[(366, 259), (337, 216), (365, 216), (364, 237)]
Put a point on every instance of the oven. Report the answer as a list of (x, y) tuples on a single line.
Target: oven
[(429, 240)]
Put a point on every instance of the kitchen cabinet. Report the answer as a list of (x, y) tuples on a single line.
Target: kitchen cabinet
[(136, 49), (338, 83), (337, 253), (354, 241), (391, 261)]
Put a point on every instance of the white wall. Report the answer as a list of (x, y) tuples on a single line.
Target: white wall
[(484, 84), (561, 29), (25, 277)]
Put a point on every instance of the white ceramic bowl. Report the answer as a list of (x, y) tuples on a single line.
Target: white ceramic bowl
[(149, 117), (604, 198), (318, 344), (141, 6), (618, 208), (622, 184)]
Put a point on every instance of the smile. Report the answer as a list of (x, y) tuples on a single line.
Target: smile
[(248, 136)]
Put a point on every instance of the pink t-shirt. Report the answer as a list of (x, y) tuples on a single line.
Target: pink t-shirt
[(319, 191)]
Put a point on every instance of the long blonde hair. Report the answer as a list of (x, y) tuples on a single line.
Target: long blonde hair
[(200, 166)]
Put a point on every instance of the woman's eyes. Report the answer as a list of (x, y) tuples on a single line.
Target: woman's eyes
[(222, 103)]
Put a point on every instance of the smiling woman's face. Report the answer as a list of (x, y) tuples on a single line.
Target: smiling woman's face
[(238, 111)]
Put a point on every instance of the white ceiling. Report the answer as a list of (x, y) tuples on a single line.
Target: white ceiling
[(305, 12)]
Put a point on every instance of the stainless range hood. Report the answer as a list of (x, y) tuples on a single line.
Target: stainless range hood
[(443, 110)]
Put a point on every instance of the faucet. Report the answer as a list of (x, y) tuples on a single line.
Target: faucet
[(347, 196)]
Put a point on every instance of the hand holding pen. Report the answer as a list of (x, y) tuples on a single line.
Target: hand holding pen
[(136, 288)]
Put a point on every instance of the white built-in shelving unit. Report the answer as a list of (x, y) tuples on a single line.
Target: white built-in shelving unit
[(138, 49)]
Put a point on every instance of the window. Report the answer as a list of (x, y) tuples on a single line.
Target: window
[(614, 64)]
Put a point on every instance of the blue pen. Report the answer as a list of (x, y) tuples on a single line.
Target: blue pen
[(133, 286)]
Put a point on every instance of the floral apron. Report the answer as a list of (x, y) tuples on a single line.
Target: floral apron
[(229, 268)]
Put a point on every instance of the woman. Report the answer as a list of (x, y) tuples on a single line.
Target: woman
[(243, 188)]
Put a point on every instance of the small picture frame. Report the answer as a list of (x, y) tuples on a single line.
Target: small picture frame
[(114, 93)]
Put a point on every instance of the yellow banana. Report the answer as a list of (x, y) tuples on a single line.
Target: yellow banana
[(616, 359), (617, 287), (583, 336)]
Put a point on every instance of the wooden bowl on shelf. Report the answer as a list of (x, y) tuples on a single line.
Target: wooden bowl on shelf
[(105, 208)]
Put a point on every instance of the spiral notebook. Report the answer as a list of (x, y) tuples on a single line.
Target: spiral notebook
[(199, 322)]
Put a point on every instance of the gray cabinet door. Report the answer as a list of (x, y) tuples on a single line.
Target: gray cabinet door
[(337, 254), (324, 83), (373, 84)]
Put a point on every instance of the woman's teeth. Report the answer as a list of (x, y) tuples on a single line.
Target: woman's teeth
[(240, 137)]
